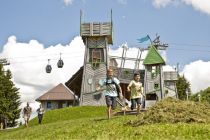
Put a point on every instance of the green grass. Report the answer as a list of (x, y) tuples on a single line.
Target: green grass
[(91, 123), (73, 113)]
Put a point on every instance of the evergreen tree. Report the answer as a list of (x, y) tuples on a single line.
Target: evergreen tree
[(9, 98), (183, 87)]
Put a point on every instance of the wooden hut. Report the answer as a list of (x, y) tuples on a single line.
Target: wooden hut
[(58, 97)]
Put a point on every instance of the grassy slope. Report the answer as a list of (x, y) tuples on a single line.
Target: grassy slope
[(91, 123)]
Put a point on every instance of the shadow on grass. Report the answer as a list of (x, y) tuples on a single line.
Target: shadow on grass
[(105, 119)]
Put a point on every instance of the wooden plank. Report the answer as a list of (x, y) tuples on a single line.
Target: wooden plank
[(96, 29), (126, 58), (89, 99), (91, 29)]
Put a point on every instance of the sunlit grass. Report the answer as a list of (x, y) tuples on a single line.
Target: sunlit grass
[(91, 123)]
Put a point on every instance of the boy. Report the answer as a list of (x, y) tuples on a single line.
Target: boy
[(136, 89), (111, 94)]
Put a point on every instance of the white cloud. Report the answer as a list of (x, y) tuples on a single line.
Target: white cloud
[(124, 2), (161, 3), (68, 2), (28, 62), (197, 73), (168, 68), (123, 17), (200, 5)]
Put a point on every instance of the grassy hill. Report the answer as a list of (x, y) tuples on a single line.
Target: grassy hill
[(91, 123)]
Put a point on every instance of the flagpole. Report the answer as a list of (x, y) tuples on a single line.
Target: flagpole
[(150, 39)]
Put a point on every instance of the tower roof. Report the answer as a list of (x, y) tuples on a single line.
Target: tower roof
[(153, 57)]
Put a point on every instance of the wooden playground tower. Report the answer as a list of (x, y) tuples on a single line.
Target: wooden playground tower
[(96, 37)]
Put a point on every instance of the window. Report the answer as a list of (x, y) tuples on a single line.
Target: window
[(167, 83), (97, 96), (149, 68), (151, 97), (156, 86), (96, 56), (49, 104), (155, 71)]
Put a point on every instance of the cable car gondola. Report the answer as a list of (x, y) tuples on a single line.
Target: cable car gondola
[(60, 62), (48, 67)]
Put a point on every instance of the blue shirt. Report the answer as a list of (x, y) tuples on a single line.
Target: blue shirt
[(111, 89)]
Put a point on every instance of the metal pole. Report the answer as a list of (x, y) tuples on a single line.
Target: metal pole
[(161, 83), (177, 69), (150, 39)]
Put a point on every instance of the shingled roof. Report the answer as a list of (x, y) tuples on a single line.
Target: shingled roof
[(60, 92), (153, 57)]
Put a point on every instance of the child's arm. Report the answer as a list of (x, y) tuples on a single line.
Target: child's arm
[(129, 86), (142, 91), (100, 85)]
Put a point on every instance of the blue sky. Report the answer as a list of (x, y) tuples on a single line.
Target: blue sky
[(51, 22)]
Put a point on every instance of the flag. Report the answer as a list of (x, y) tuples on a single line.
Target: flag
[(143, 39)]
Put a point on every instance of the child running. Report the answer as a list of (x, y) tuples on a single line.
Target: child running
[(136, 89)]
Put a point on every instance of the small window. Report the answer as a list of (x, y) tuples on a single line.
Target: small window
[(151, 97), (156, 86), (49, 105), (149, 68), (167, 83), (154, 72), (96, 55), (97, 96)]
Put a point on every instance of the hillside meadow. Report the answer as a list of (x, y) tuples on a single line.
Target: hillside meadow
[(90, 122)]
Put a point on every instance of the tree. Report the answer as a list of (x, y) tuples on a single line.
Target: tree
[(9, 98), (204, 95), (183, 87)]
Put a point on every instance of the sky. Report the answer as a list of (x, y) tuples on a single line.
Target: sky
[(31, 32)]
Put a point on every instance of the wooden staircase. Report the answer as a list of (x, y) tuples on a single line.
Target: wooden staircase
[(126, 110), (129, 112)]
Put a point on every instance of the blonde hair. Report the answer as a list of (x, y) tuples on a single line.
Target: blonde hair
[(109, 70)]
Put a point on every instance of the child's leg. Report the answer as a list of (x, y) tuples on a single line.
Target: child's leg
[(138, 108), (114, 105), (132, 104), (109, 109), (138, 101)]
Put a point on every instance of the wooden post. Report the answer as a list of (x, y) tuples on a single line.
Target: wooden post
[(161, 83)]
